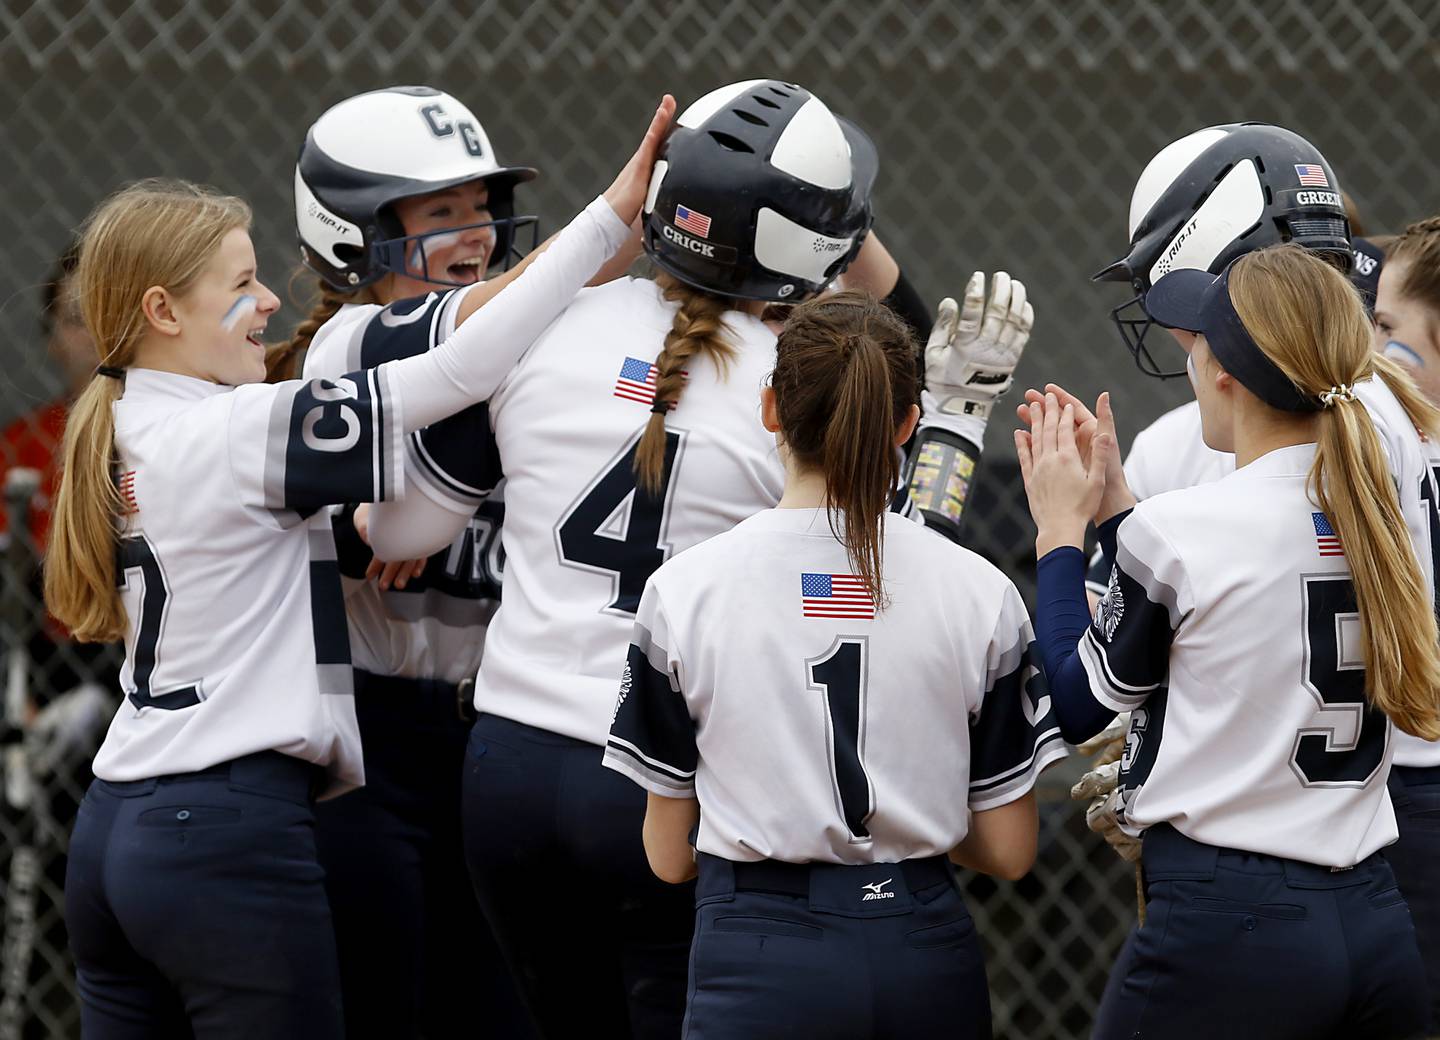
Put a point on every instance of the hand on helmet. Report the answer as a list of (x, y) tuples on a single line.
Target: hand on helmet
[(971, 356), (627, 194)]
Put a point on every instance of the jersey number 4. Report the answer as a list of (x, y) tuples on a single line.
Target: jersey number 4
[(841, 676), (1335, 677), (618, 528), (138, 557)]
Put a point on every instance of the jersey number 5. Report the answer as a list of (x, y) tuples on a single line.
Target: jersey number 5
[(617, 527), (137, 555), (1335, 677), (841, 675)]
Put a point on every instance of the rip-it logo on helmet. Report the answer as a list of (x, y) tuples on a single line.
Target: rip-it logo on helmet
[(1212, 196), (761, 193), (368, 152)]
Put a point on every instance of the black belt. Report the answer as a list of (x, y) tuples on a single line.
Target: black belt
[(793, 879)]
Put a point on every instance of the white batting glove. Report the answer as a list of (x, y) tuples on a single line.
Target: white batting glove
[(1108, 745), (972, 352), (1099, 785)]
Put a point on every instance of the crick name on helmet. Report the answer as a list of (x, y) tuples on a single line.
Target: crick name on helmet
[(760, 193)]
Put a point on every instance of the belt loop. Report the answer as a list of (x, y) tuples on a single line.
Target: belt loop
[(716, 881)]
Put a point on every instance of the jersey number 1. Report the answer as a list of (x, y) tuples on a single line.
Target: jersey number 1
[(841, 676), (600, 533), (136, 554)]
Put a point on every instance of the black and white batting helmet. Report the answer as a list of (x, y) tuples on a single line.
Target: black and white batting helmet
[(760, 193), (1217, 194), (370, 150)]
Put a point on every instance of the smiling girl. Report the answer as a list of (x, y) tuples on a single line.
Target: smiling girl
[(191, 522)]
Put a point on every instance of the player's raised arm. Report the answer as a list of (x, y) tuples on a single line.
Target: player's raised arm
[(970, 361)]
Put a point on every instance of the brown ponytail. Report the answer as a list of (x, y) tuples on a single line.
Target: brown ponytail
[(150, 233), (283, 360), (1310, 321), (844, 383), (698, 328)]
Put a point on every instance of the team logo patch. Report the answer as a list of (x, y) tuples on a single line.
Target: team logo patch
[(626, 680), (691, 221), (1111, 608), (1327, 542), (835, 596), (1312, 175)]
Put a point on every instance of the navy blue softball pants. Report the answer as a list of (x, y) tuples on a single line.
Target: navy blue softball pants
[(416, 957), (597, 943), (884, 951), (196, 907), (1415, 858), (1252, 947)]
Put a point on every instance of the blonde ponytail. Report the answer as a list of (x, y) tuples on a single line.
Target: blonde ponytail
[(698, 328), (1310, 321), (151, 233)]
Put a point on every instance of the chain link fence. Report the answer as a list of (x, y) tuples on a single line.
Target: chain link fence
[(1011, 133)]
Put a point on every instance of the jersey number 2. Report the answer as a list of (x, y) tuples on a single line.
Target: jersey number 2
[(841, 675), (1321, 757), (600, 533), (136, 554)]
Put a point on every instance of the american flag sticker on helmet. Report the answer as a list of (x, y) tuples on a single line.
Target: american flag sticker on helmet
[(691, 221), (1312, 175)]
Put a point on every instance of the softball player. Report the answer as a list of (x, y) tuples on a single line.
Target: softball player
[(1263, 672), (1173, 195), (884, 675), (654, 446), (431, 212), (194, 897), (1407, 310)]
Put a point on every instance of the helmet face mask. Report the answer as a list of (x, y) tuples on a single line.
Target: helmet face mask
[(1134, 324), (760, 193), (370, 151), (409, 255), (1213, 196)]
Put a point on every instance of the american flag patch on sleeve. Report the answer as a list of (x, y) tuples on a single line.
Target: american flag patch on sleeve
[(835, 596), (1327, 542)]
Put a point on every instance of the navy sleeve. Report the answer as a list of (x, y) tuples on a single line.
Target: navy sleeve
[(298, 446), (456, 456), (652, 737), (1061, 619), (1126, 650), (1014, 736)]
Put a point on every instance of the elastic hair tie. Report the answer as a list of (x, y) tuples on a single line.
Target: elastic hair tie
[(660, 407), (1343, 392), (111, 371)]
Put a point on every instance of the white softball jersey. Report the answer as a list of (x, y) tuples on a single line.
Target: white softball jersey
[(814, 727), (1171, 454), (1231, 634), (579, 538), (435, 626), (237, 639)]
